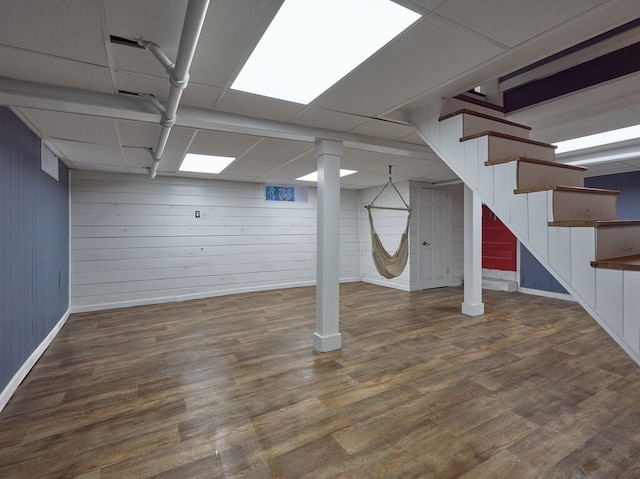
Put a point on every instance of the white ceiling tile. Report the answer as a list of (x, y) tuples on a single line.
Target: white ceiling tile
[(194, 95), (221, 144), (384, 129), (308, 160), (250, 168), (137, 157), (156, 21), (41, 68), (611, 168), (272, 149), (101, 167), (230, 32), (55, 28), (418, 5), (146, 135), (512, 23), (330, 120), (429, 54), (257, 106), (412, 137), (170, 162), (69, 126), (91, 153)]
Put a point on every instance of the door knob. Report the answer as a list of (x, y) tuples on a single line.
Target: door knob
[(424, 243)]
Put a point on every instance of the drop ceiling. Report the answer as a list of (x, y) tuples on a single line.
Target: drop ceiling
[(63, 76)]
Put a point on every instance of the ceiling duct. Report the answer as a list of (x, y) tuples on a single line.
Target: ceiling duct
[(178, 72)]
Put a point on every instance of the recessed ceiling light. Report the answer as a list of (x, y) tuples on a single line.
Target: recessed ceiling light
[(205, 163), (599, 139), (314, 176), (311, 44)]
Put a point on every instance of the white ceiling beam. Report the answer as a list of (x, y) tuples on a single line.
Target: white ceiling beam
[(21, 94), (191, 117)]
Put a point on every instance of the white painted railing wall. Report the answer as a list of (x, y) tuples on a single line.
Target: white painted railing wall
[(137, 241), (610, 296)]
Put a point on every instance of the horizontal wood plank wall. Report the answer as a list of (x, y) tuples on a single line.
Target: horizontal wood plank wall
[(137, 241), (34, 276)]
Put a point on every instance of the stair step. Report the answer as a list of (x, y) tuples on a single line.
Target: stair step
[(626, 263), (613, 238), (474, 99), (573, 203), (594, 224), (475, 122), (502, 146), (509, 159), (572, 189), (449, 105), (533, 173)]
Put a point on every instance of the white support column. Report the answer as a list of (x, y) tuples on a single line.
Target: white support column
[(327, 336), (472, 305)]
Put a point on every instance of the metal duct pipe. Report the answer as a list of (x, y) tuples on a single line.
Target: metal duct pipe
[(178, 73)]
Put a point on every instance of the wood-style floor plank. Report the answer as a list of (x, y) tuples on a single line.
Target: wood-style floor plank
[(230, 387)]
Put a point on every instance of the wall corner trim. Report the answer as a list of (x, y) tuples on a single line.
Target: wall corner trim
[(19, 376)]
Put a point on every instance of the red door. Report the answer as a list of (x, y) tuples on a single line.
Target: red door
[(498, 243)]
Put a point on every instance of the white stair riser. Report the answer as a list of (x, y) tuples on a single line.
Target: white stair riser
[(450, 105), (572, 206), (614, 242), (535, 175), (500, 148), (473, 124)]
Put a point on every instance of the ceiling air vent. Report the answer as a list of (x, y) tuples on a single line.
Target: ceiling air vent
[(127, 42)]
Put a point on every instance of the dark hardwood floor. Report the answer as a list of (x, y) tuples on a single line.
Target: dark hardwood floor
[(230, 387)]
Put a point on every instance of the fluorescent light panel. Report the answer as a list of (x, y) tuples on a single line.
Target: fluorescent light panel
[(311, 44), (205, 163), (599, 139), (314, 176)]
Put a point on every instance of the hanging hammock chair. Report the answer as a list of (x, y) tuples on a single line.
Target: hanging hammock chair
[(389, 265)]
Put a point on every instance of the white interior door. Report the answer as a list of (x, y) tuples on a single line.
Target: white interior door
[(434, 242)]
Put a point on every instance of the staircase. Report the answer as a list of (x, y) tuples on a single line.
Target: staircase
[(570, 229)]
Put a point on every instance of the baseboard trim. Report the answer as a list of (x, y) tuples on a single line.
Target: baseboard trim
[(547, 294), (387, 284), (187, 297), (19, 376)]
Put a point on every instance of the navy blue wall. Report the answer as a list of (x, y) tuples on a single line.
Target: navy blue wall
[(629, 186), (34, 217), (533, 275)]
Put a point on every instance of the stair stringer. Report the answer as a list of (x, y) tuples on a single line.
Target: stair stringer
[(611, 297)]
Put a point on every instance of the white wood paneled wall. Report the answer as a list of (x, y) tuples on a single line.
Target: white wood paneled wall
[(137, 241)]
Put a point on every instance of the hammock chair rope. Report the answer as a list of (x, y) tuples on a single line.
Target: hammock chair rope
[(389, 265)]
